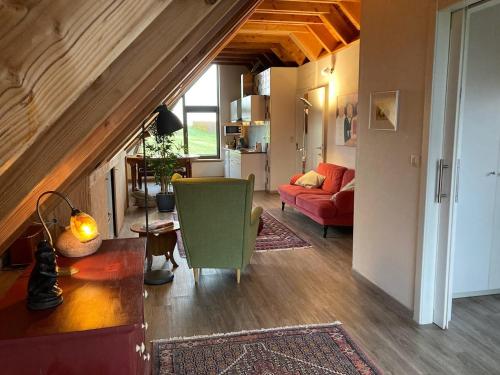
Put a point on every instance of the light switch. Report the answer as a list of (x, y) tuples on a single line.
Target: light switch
[(415, 160)]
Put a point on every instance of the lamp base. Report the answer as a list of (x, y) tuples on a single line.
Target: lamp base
[(158, 277), (67, 271), (37, 303)]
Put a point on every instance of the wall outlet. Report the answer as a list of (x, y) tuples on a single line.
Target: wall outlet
[(415, 160)]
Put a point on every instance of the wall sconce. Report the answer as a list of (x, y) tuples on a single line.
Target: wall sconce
[(43, 291), (327, 71)]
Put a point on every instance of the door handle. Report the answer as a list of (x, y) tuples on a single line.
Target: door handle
[(440, 174), (492, 173)]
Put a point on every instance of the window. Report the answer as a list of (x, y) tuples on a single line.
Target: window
[(198, 110)]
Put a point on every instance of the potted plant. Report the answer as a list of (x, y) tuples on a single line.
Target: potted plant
[(162, 160)]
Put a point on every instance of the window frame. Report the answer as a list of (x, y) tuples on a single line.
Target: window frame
[(202, 109)]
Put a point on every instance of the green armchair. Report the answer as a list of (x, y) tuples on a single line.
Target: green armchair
[(218, 225)]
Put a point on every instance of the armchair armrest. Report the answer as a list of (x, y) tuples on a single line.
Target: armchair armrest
[(295, 178), (256, 212), (249, 246), (344, 201)]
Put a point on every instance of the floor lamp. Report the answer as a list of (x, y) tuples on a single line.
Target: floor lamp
[(166, 124)]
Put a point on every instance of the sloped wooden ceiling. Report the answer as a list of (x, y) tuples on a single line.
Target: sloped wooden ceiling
[(78, 77), (292, 32)]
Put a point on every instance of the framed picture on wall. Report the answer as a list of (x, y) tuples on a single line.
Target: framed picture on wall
[(384, 107), (346, 123)]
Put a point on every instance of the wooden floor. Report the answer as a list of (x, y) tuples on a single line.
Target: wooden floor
[(316, 285)]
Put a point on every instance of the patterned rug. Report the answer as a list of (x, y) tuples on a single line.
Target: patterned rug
[(274, 236), (304, 350)]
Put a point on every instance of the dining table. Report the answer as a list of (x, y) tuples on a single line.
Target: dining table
[(137, 161)]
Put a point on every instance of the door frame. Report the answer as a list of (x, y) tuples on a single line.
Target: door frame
[(434, 268), (304, 93), (324, 112)]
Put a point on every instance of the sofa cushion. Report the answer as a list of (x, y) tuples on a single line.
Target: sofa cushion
[(290, 192), (333, 174), (351, 185), (344, 201), (295, 177), (348, 177), (317, 205)]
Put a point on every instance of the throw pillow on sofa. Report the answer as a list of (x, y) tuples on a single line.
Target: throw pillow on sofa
[(310, 180), (349, 186)]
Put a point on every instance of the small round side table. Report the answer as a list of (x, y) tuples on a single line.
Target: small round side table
[(160, 241)]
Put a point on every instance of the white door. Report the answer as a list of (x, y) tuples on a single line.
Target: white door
[(301, 110), (314, 135), (476, 243), (446, 165)]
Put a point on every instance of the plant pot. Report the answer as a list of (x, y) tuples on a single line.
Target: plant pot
[(165, 202)]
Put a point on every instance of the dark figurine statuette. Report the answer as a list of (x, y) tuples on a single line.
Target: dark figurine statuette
[(43, 291)]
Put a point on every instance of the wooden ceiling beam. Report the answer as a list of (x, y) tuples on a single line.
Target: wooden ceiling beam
[(327, 40), (271, 28), (325, 1), (249, 66), (292, 7), (247, 58), (308, 44), (257, 38), (42, 72), (339, 25), (290, 49), (353, 11), (234, 51), (283, 55), (293, 50), (222, 55), (112, 107), (275, 48), (294, 19), (273, 59)]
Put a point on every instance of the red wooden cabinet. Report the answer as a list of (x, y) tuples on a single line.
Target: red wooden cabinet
[(98, 329)]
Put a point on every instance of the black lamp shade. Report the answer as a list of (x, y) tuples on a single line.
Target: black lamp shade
[(166, 122)]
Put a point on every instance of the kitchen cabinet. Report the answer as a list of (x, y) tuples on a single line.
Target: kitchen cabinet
[(235, 164), (235, 110), (254, 108), (238, 164)]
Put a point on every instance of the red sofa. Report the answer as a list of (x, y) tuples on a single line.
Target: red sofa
[(317, 203)]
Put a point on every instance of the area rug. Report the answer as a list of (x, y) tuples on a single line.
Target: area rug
[(273, 236), (300, 350)]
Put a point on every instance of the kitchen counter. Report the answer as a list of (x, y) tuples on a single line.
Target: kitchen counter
[(239, 164), (244, 151)]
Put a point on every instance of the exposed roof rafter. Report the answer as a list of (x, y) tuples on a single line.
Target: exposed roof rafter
[(297, 31)]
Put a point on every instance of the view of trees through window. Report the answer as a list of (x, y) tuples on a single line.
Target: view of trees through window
[(198, 110)]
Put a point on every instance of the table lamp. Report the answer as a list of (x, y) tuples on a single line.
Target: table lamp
[(43, 291)]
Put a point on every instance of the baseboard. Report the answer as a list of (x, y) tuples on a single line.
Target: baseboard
[(476, 293), (391, 301)]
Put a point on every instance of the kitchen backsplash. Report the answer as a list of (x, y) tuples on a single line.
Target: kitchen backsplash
[(258, 133)]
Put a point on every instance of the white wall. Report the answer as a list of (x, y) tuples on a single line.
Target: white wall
[(282, 150), (205, 168), (344, 81), (396, 43)]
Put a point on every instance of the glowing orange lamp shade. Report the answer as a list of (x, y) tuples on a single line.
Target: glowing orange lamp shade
[(83, 226)]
